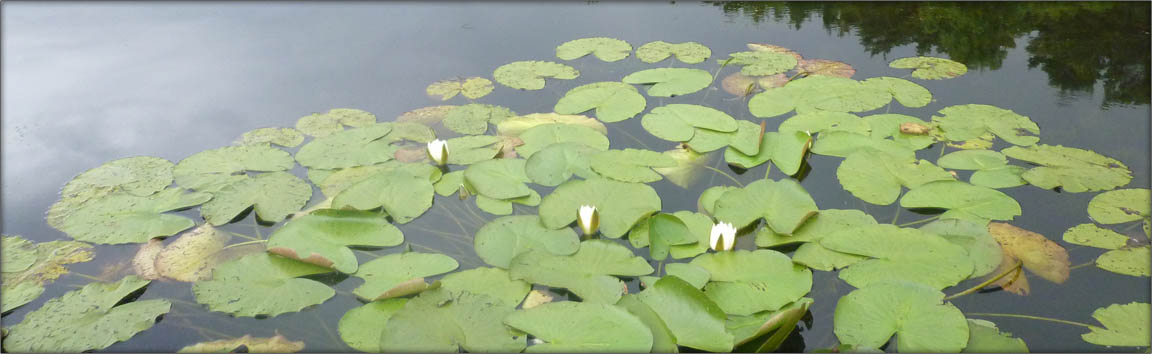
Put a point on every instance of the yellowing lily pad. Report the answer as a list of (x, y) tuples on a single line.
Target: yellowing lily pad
[(275, 344), (529, 75), (472, 88), (687, 52), (606, 49), (324, 124), (1039, 254), (930, 68)]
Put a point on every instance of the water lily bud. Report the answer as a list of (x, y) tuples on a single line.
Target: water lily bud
[(589, 219), (723, 237), (438, 151)]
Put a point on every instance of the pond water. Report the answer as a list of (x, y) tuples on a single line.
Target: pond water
[(85, 84)]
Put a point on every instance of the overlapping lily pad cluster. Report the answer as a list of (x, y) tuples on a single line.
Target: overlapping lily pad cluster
[(375, 177)]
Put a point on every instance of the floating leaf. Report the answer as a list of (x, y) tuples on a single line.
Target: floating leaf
[(707, 202), (824, 122), (277, 344), (763, 47), (499, 179), (819, 93), (621, 204), (502, 239), (781, 323), (86, 319), (192, 256), (700, 226), (666, 230), (888, 125), (825, 67), (504, 206), (1094, 236), (811, 253), (1000, 177), (400, 274), (426, 116), (586, 327), (984, 337), (746, 282), (557, 163), (868, 317), (324, 124), (606, 49), (541, 136), (972, 160), (1128, 261), (696, 321), (687, 52), (537, 298), (515, 126), (333, 182), (761, 63), (349, 148), (678, 122), (262, 284), (740, 85), (212, 170), (970, 121), (1073, 170), (125, 218), (930, 68), (468, 150), (1039, 254), (322, 237), (588, 273), (529, 75), (1124, 325), (663, 341), (705, 140), (140, 176), (273, 196), (786, 150), (472, 88), (899, 254), (963, 201), (473, 119), (404, 193), (784, 204), (630, 165), (34, 265), (906, 92), (983, 250), (843, 144), (876, 177), (1120, 206), (670, 82), (286, 137), (17, 254), (613, 101)]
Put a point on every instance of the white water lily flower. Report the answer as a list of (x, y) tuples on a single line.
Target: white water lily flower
[(589, 219), (723, 236), (438, 151)]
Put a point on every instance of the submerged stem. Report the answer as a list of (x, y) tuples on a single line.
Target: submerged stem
[(243, 244), (921, 221), (1015, 268), (243, 236), (725, 175), (1030, 318)]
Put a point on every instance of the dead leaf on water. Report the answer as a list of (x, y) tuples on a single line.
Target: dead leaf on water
[(1040, 255)]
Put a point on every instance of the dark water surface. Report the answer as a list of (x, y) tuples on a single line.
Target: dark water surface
[(84, 84)]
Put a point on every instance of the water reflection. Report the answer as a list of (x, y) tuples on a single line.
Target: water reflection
[(1078, 44)]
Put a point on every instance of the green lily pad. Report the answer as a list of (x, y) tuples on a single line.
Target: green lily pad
[(212, 170), (348, 148), (963, 201), (89, 318), (970, 121), (899, 254), (125, 218), (324, 124), (972, 160), (707, 201), (140, 176), (984, 337), (404, 193), (586, 327), (499, 179), (695, 320), (1094, 236), (262, 284), (529, 75), (557, 163), (502, 239), (1128, 261), (687, 52), (785, 150), (762, 63), (930, 68), (539, 137), (620, 204), (664, 231), (1124, 325), (825, 122), (819, 93), (663, 341), (746, 282), (705, 140), (473, 119), (613, 101), (362, 327), (868, 317), (1073, 170), (906, 92), (515, 126), (323, 236), (504, 206), (275, 344), (999, 177), (630, 165), (842, 144), (983, 250), (400, 274), (468, 150), (876, 177), (888, 125), (273, 196), (700, 226), (670, 82), (784, 204), (333, 182), (693, 274), (465, 312), (781, 323), (811, 253), (28, 266), (471, 88), (17, 254), (588, 273), (606, 49), (286, 137), (1120, 206)]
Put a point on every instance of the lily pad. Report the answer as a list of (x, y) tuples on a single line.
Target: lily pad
[(999, 177), (273, 196), (699, 225), (688, 168), (426, 116), (670, 82), (825, 122), (630, 165), (1124, 325), (764, 47), (746, 282), (212, 170), (286, 137), (588, 273), (404, 193), (1039, 254), (125, 218), (606, 49), (529, 75), (400, 274), (276, 344), (740, 85), (983, 250), (349, 148), (899, 254), (811, 253), (984, 337), (666, 230), (140, 176), (471, 88), (687, 52), (1128, 261), (557, 163), (930, 68), (825, 67), (586, 327), (1094, 236), (539, 137), (473, 119), (868, 317), (843, 144), (906, 92), (761, 63), (613, 101), (888, 125), (784, 204), (1120, 206), (876, 177), (324, 124), (322, 237), (502, 239), (515, 126), (963, 201), (1073, 170), (695, 320), (970, 121), (89, 318), (678, 122), (785, 150), (747, 329), (468, 150), (28, 266), (362, 327), (262, 284), (663, 341), (620, 204), (499, 179), (819, 93), (193, 255)]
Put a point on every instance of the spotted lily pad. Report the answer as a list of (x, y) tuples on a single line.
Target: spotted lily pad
[(746, 282), (140, 176), (1120, 206), (693, 319), (1124, 325), (588, 273), (286, 137), (400, 274), (899, 254), (539, 137), (275, 344), (515, 126), (212, 170), (678, 122), (826, 67), (963, 201), (471, 88), (273, 196), (984, 337), (613, 101), (1128, 261), (28, 266), (1071, 169), (1094, 236), (916, 314), (1040, 255), (930, 68), (970, 121), (323, 237), (348, 148), (125, 218), (606, 49), (599, 327), (761, 63), (670, 82), (687, 52), (630, 165), (620, 204), (262, 284), (362, 327), (404, 193), (502, 239), (473, 119), (784, 204), (819, 93), (529, 75), (90, 318), (324, 124), (876, 177)]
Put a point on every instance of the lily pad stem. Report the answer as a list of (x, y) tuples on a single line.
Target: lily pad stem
[(725, 175), (243, 236), (1015, 268), (89, 277), (243, 244), (1081, 265), (921, 221), (1030, 318)]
